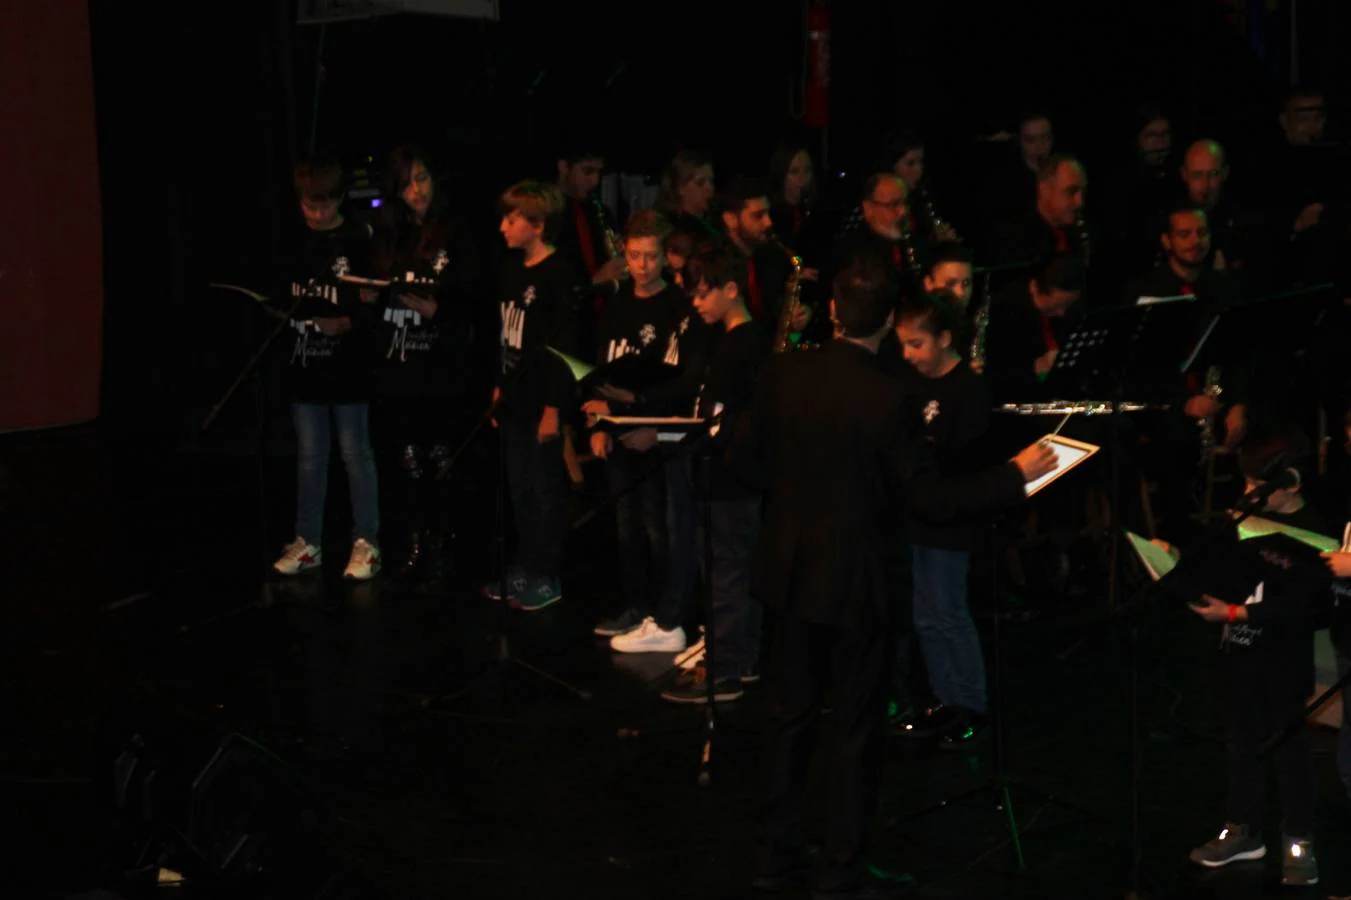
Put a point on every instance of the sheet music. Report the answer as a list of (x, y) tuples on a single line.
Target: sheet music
[(1158, 562), (1069, 453)]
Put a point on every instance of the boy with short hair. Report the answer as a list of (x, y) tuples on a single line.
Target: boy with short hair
[(738, 348), (953, 405), (327, 378), (642, 320), (534, 387)]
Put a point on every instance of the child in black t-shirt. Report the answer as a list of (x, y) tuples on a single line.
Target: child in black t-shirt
[(535, 386), (641, 322), (733, 362), (327, 377), (952, 401), (1268, 650), (421, 348)]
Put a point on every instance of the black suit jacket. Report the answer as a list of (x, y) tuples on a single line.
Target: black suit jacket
[(840, 455)]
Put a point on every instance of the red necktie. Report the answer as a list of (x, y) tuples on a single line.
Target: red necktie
[(584, 238), (757, 303), (1048, 335), (1188, 289), (1062, 240)]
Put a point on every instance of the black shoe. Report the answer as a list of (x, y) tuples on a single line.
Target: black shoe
[(968, 731), (623, 623), (874, 885), (414, 555), (933, 720), (692, 687)]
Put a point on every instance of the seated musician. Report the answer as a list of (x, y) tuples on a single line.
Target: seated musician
[(1027, 326)]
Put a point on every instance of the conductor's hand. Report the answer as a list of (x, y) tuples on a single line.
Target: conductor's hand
[(1045, 362), (1035, 461), (1339, 564), (640, 441), (600, 445), (548, 425)]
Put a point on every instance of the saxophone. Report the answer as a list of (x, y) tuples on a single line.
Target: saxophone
[(931, 212), (911, 255), (792, 294)]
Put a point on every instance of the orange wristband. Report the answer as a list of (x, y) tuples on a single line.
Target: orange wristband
[(1233, 614)]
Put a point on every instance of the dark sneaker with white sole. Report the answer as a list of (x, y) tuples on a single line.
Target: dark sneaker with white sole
[(692, 687), (1234, 843), (1299, 868)]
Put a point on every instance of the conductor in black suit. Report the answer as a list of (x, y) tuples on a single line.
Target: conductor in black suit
[(840, 456)]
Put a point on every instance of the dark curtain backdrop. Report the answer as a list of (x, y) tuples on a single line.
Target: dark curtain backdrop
[(51, 255)]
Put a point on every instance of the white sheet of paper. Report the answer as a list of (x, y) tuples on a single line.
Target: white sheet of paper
[(1068, 454)]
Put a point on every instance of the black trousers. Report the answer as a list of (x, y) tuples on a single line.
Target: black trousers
[(1262, 699), (800, 659)]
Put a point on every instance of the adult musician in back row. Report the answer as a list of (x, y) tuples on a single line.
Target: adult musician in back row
[(1027, 325), (832, 440), (582, 233), (881, 235), (749, 229), (1054, 224)]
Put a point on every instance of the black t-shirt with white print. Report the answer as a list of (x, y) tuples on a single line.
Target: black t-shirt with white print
[(537, 312), (955, 414), (646, 327), (417, 356), (325, 368)]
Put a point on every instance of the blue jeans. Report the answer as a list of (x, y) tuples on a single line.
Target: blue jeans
[(538, 481), (314, 440), (736, 615), (947, 635)]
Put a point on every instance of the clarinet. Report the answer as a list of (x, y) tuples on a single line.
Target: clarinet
[(930, 212), (614, 245), (1212, 389), (982, 323), (1081, 228)]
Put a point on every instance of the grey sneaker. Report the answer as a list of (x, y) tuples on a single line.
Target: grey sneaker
[(1234, 843), (1300, 867)]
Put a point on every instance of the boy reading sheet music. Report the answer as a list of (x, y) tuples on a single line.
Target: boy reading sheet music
[(714, 274), (1268, 663)]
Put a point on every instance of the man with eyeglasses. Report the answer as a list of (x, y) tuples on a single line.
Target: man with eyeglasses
[(880, 234)]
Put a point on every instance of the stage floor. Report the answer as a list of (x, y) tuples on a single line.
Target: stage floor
[(136, 602)]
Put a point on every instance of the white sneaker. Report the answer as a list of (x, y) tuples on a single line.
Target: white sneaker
[(297, 557), (364, 562), (649, 638), (692, 656)]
